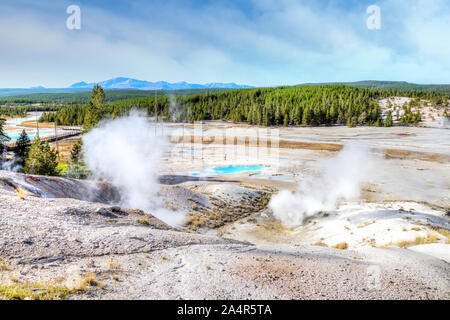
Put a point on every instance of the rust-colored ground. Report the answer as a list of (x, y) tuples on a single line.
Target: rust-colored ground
[(32, 124), (424, 156), (284, 144)]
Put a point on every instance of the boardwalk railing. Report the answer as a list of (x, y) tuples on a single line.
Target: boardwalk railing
[(68, 132)]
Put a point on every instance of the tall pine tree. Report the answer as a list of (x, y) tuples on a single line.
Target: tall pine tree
[(96, 109), (3, 137), (22, 148)]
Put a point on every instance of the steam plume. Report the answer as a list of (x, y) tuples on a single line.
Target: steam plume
[(126, 151), (340, 180)]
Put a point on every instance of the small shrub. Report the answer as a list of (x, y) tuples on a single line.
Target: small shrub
[(341, 246), (88, 280), (114, 265), (195, 220), (320, 244), (21, 193), (144, 221), (444, 232), (430, 238), (4, 266)]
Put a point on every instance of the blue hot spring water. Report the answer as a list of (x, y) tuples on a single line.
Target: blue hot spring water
[(227, 170)]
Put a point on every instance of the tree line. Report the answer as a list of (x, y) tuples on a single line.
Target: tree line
[(282, 106)]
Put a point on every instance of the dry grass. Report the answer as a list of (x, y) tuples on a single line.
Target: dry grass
[(195, 221), (430, 238), (144, 221), (320, 244), (171, 206), (114, 265), (274, 227), (21, 193), (32, 124), (4, 266), (444, 232), (285, 144), (365, 224), (341, 246), (65, 146), (309, 145), (89, 280), (424, 156), (35, 291)]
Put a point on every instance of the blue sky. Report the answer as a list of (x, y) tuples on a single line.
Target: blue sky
[(255, 42)]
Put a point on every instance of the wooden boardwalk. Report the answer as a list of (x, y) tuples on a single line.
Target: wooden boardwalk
[(68, 132)]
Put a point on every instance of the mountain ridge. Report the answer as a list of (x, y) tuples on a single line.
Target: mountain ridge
[(130, 83)]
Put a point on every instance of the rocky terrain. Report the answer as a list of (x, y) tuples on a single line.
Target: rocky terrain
[(63, 238)]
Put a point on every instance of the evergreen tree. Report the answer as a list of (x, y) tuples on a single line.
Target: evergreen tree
[(76, 151), (417, 117), (22, 148), (362, 118), (96, 109), (389, 121), (3, 137), (307, 116), (298, 105), (41, 159), (77, 168), (351, 122)]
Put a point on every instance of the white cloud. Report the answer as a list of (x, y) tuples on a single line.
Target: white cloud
[(277, 42)]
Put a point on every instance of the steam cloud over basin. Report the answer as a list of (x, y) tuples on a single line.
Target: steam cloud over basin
[(340, 181), (126, 151)]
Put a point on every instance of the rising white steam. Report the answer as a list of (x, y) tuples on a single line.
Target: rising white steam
[(9, 165), (340, 181), (126, 151)]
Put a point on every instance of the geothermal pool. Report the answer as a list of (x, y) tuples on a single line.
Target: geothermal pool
[(209, 171), (14, 134)]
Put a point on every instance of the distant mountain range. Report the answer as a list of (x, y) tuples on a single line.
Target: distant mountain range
[(128, 83), (392, 85), (137, 87), (121, 83)]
